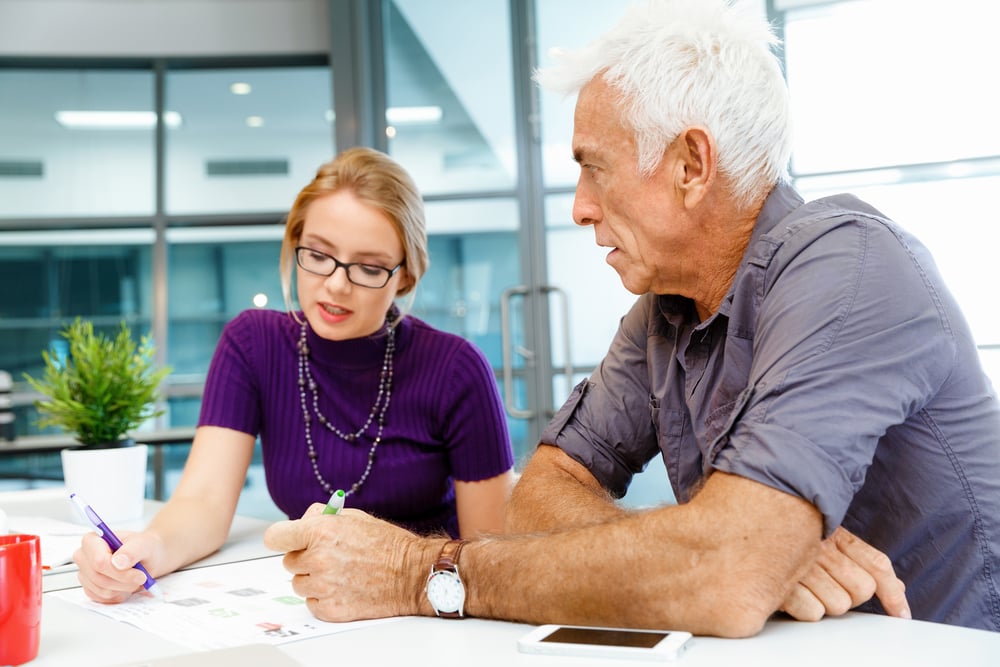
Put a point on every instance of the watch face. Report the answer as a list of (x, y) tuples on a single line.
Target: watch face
[(445, 591)]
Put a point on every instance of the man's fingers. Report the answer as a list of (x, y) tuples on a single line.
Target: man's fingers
[(285, 536), (851, 577), (802, 605), (831, 592), (890, 590)]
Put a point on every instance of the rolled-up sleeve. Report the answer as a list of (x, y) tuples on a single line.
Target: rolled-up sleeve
[(606, 423)]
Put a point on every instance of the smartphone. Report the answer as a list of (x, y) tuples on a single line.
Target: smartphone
[(584, 641)]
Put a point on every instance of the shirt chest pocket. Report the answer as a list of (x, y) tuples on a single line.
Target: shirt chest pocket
[(682, 458)]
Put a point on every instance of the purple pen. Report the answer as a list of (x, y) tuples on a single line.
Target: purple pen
[(112, 540)]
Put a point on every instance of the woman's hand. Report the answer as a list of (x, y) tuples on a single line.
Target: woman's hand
[(111, 578)]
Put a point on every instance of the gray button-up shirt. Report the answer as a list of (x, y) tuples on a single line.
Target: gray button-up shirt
[(838, 369)]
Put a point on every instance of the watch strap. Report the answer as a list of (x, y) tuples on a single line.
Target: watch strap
[(448, 559)]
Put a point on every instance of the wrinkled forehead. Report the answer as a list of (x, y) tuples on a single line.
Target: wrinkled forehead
[(599, 132)]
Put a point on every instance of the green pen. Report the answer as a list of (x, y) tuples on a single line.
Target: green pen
[(336, 502)]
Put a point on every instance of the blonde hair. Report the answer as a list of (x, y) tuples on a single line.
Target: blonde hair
[(377, 180)]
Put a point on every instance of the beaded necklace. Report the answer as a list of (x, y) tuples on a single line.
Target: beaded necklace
[(306, 382)]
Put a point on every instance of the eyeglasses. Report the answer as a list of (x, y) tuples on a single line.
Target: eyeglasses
[(363, 275)]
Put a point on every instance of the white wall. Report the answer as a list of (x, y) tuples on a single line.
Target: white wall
[(162, 27)]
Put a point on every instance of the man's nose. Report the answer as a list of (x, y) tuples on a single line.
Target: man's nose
[(585, 208)]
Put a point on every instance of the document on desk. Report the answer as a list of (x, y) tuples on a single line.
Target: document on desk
[(59, 539), (222, 606)]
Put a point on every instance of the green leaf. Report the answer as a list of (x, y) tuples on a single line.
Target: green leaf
[(106, 387)]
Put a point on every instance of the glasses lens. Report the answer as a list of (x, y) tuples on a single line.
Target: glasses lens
[(368, 275), (315, 262)]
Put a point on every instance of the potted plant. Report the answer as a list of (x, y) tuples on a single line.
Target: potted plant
[(104, 389)]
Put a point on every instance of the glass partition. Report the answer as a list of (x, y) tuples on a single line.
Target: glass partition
[(52, 277), (449, 92), (245, 139), (566, 24), (76, 142), (903, 119), (866, 93)]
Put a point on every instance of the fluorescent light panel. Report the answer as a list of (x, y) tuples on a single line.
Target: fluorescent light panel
[(404, 115), (114, 120), (137, 120)]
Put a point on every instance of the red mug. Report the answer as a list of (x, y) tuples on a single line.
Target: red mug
[(20, 598)]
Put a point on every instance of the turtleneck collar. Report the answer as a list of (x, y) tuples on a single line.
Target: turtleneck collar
[(363, 352)]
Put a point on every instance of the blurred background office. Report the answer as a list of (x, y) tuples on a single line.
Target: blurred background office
[(150, 148)]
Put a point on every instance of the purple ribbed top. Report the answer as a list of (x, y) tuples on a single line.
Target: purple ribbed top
[(445, 420)]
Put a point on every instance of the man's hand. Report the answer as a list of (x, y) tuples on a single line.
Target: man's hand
[(847, 573), (352, 566)]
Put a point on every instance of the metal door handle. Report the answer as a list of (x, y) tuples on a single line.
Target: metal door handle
[(568, 359), (508, 364)]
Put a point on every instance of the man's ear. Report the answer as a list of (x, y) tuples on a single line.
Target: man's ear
[(696, 164)]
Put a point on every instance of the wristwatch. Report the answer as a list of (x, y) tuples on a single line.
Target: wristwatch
[(445, 589)]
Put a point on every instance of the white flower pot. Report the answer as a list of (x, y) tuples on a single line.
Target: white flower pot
[(111, 481)]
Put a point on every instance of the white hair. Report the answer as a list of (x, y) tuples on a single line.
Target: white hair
[(680, 63)]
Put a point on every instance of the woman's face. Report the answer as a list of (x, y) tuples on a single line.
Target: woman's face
[(343, 227)]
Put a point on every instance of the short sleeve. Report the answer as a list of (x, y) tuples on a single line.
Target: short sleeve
[(231, 397), (606, 424), (475, 427)]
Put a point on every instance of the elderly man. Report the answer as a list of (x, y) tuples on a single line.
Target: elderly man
[(800, 367)]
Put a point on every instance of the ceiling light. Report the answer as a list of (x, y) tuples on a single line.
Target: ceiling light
[(255, 121), (404, 115), (240, 88), (114, 120)]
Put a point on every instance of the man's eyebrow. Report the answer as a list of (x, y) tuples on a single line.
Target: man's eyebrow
[(584, 153)]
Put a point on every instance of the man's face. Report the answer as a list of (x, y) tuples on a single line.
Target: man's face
[(640, 219)]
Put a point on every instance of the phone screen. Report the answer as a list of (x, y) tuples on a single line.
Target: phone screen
[(602, 637)]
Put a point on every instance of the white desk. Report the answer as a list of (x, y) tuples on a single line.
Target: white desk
[(75, 636), (245, 535)]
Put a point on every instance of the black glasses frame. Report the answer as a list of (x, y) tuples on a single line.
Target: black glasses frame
[(347, 266)]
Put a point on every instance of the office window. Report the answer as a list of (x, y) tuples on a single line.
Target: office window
[(566, 24), (213, 274), (906, 120), (53, 277), (892, 82), (245, 139), (450, 112), (76, 142), (473, 246)]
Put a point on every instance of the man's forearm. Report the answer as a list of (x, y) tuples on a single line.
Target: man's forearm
[(557, 493), (674, 567)]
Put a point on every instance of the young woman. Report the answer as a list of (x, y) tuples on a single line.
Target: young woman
[(348, 393)]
